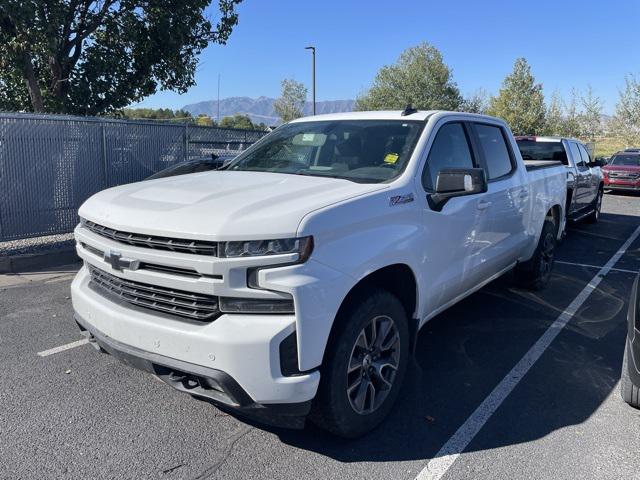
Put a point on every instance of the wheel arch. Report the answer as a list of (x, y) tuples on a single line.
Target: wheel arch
[(398, 279), (555, 215), (568, 202)]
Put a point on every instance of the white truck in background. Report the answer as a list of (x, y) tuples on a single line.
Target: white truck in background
[(292, 283)]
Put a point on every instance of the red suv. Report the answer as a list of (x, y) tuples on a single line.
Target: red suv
[(623, 171)]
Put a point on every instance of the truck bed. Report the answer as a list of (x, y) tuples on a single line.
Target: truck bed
[(538, 164)]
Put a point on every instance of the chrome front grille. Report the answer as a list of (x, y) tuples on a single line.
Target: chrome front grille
[(624, 175), (191, 305), (153, 267), (151, 241)]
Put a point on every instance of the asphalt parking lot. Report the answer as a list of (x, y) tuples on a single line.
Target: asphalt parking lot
[(78, 414)]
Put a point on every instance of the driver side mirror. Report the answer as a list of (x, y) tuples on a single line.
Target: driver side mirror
[(456, 182), (598, 162)]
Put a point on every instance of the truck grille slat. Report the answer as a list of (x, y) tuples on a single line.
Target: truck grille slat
[(198, 247), (177, 302)]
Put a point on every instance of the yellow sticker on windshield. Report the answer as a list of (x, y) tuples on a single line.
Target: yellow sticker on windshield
[(391, 158)]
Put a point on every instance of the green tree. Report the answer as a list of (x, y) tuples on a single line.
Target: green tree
[(238, 121), (571, 125), (154, 114), (520, 101), (627, 116), (591, 116), (94, 56), (182, 115), (290, 105), (554, 117), (477, 102), (203, 120), (419, 77)]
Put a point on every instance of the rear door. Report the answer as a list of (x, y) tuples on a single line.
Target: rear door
[(501, 232)]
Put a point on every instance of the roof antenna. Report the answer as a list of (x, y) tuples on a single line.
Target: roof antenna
[(408, 110)]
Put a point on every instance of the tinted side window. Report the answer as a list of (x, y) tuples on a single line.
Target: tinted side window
[(585, 155), (450, 149), (575, 154), (495, 150)]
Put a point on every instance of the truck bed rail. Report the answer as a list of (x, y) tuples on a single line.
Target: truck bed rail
[(539, 164)]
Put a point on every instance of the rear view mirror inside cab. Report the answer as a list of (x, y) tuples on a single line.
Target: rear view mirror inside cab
[(309, 139)]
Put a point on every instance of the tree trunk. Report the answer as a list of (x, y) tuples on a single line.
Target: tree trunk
[(32, 85)]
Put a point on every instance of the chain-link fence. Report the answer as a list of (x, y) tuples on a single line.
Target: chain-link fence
[(50, 164)]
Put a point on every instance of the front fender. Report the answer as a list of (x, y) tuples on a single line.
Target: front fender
[(351, 241)]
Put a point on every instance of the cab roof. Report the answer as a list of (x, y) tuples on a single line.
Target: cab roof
[(420, 115), (374, 115)]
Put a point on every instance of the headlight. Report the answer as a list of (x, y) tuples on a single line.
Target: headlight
[(258, 248)]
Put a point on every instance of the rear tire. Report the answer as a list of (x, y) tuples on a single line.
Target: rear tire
[(534, 274), (597, 206), (364, 366), (630, 392)]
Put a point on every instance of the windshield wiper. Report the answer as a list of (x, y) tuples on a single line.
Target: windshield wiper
[(321, 175)]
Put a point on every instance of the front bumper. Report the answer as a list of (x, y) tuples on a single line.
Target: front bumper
[(620, 185), (205, 383), (240, 354)]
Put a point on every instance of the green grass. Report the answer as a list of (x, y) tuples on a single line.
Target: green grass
[(607, 146)]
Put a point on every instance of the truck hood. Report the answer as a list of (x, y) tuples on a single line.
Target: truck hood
[(219, 205), (620, 168)]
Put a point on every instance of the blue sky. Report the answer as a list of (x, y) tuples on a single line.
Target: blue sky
[(568, 44)]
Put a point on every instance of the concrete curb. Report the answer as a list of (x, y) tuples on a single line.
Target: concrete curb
[(35, 261)]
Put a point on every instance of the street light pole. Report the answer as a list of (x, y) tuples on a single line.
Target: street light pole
[(313, 74), (218, 103)]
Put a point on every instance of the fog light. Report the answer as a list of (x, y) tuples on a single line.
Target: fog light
[(255, 305)]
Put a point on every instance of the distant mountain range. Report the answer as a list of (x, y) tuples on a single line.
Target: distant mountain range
[(261, 109)]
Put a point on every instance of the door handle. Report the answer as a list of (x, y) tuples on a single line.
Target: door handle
[(483, 205), (524, 194)]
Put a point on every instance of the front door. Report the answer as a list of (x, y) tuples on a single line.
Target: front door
[(449, 234)]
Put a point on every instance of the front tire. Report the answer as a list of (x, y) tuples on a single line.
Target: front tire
[(630, 392), (365, 364), (535, 273)]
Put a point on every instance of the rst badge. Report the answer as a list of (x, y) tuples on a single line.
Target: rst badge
[(400, 199)]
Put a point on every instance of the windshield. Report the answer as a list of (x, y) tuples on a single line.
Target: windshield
[(532, 150), (625, 160), (364, 151)]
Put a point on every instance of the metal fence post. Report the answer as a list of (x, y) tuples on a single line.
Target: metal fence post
[(1, 203), (186, 142), (104, 156)]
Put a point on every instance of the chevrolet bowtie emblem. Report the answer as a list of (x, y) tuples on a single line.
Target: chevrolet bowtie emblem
[(118, 263)]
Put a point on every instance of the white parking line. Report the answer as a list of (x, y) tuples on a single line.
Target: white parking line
[(62, 348), (595, 266), (450, 451)]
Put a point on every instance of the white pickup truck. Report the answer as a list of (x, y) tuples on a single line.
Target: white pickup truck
[(293, 283)]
